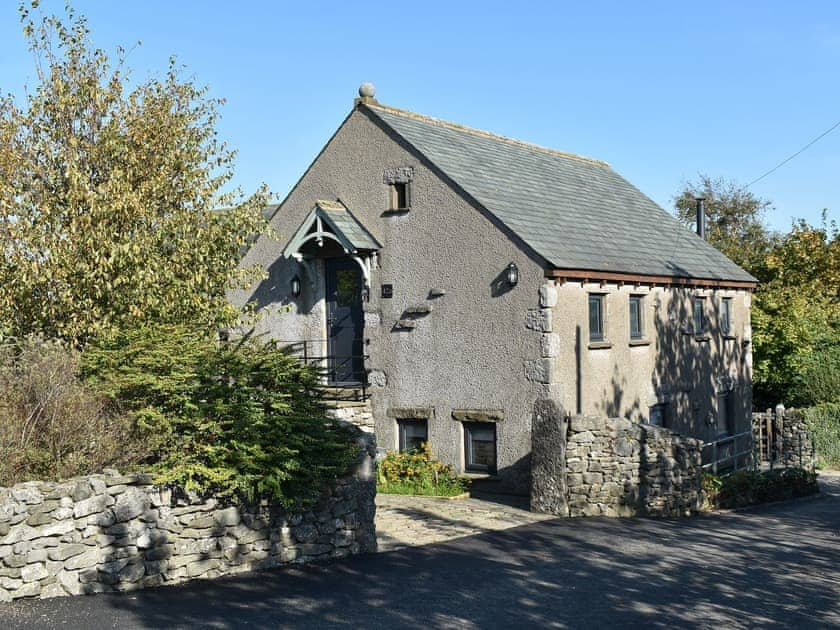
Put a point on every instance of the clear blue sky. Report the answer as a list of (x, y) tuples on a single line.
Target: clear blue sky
[(663, 91)]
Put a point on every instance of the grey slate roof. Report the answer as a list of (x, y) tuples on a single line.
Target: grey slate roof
[(575, 212)]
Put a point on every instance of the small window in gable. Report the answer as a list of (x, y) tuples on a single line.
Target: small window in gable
[(400, 196)]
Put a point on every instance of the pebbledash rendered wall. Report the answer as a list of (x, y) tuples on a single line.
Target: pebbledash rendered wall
[(598, 466), (114, 532)]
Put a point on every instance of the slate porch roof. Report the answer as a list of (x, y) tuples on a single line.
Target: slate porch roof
[(340, 222), (574, 212)]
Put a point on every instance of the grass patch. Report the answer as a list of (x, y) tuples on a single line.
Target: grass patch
[(425, 490)]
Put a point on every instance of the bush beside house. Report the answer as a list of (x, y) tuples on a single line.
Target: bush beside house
[(418, 472), (247, 470), (752, 487), (823, 421)]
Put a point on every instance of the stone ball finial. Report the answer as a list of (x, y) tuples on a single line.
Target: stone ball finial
[(367, 90)]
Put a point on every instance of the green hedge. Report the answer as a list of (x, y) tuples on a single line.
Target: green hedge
[(231, 419), (824, 423), (747, 487)]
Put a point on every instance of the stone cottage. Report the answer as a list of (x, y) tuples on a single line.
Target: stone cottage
[(458, 277)]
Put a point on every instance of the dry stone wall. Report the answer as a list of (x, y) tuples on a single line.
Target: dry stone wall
[(613, 467), (119, 532)]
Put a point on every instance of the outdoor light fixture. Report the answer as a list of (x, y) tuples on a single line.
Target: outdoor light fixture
[(296, 286), (512, 274)]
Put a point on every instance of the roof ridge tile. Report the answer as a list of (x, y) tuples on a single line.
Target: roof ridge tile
[(484, 134)]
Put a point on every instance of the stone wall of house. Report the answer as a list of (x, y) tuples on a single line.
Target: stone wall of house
[(615, 467), (357, 414), (114, 532)]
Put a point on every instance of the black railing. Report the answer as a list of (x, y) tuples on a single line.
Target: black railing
[(333, 368)]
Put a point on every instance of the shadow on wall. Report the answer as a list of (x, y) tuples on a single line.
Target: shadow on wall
[(276, 288), (612, 403), (509, 480), (692, 369), (500, 285), (640, 573)]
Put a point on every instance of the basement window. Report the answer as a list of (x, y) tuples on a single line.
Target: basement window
[(658, 415), (412, 434), (480, 447), (726, 414), (400, 196)]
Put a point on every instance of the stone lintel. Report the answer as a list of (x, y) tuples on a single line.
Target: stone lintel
[(478, 415), (411, 413)]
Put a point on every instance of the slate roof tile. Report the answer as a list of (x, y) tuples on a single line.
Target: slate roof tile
[(575, 212)]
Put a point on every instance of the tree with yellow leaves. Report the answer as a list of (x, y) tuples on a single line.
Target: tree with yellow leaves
[(109, 195)]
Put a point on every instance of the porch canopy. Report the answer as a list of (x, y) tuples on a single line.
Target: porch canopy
[(333, 221)]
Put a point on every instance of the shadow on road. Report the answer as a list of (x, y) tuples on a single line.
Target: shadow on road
[(775, 567)]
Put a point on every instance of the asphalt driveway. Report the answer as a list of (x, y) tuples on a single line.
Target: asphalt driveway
[(777, 566)]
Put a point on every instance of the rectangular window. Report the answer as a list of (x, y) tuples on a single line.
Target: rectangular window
[(726, 414), (699, 305), (636, 322), (400, 196), (596, 317), (412, 433), (658, 415), (480, 447), (726, 316)]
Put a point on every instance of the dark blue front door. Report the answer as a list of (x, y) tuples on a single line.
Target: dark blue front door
[(345, 321)]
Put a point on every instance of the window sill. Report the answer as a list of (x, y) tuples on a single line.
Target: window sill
[(478, 475), (599, 345), (702, 338), (730, 337), (639, 342)]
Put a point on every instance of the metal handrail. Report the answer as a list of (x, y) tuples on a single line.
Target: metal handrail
[(736, 455), (333, 361)]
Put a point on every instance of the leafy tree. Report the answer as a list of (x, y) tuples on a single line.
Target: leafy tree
[(108, 195), (796, 318), (734, 220), (796, 309)]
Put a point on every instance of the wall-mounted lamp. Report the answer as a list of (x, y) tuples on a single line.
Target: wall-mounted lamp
[(296, 286), (513, 274)]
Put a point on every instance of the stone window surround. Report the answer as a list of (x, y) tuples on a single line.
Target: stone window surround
[(396, 176)]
